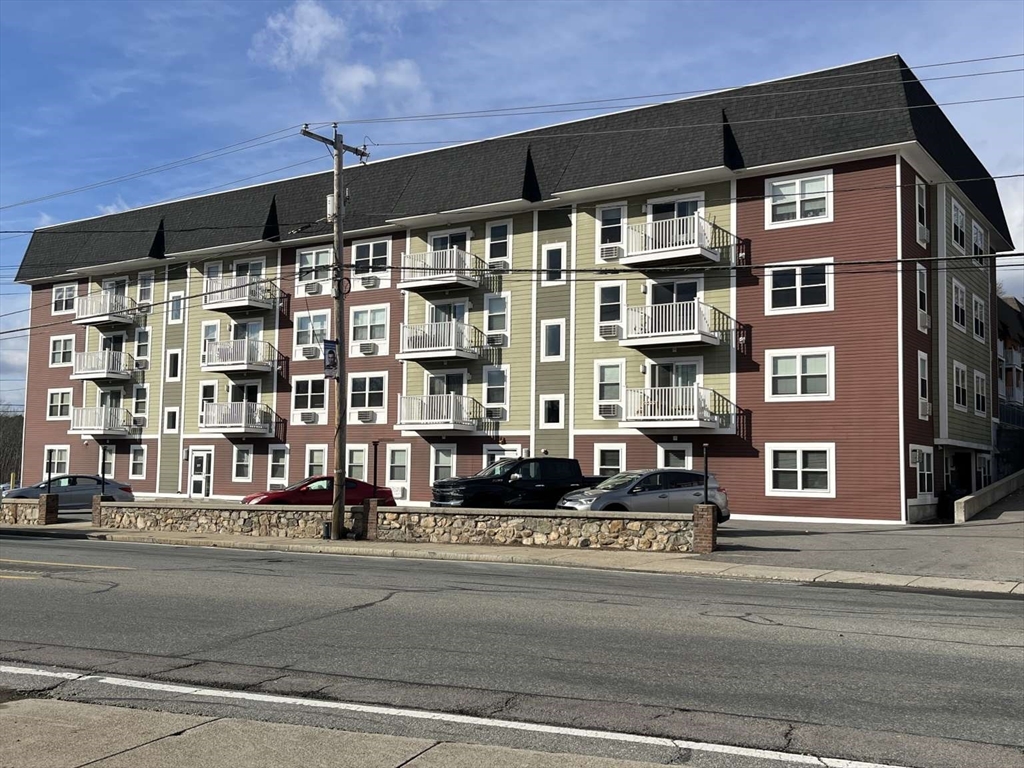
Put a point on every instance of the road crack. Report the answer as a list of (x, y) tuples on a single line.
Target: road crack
[(147, 743)]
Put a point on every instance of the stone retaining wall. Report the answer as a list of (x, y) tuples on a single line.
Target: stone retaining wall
[(41, 511)]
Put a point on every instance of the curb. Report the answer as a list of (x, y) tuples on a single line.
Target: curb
[(683, 566)]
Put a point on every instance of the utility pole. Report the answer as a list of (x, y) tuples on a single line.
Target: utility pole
[(340, 390)]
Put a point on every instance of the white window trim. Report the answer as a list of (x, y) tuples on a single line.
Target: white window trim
[(623, 304), (620, 447), (963, 289), (152, 287), (975, 302), (170, 307), (663, 447), (920, 185), (296, 413), (328, 331), (560, 399), (621, 362), (977, 228), (235, 451), (922, 357), (349, 447), (798, 222), (930, 450), (177, 420), (507, 333), (202, 337), (544, 325), (135, 399), (651, 364), (434, 447), (149, 332), (63, 338), (131, 461), (830, 280), (382, 344), (55, 448), (199, 401), (978, 375), (383, 275), (325, 283), (74, 303), (429, 305), (956, 406), (448, 233), (507, 370), (921, 273), (167, 365), (771, 354), (287, 462), (624, 208), (70, 392), (261, 260), (544, 249), (327, 459), (389, 450), (954, 206), (105, 451), (487, 240), (380, 412), (769, 450), (446, 372)]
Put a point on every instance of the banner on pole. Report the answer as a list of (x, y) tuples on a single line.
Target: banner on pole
[(330, 359)]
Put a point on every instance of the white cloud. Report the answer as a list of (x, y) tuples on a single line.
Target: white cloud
[(402, 74), (44, 220), (1011, 269), (345, 84), (115, 207), (394, 83), (296, 37)]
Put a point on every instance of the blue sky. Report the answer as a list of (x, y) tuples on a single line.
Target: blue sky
[(95, 90)]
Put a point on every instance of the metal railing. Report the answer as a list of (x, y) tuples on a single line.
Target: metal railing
[(239, 288), (690, 403), (682, 232), (677, 318), (450, 263), (102, 362), (252, 417), (439, 409), (239, 352), (441, 337), (102, 418), (1011, 415), (99, 306)]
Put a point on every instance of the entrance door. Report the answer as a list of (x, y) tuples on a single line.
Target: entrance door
[(200, 472), (118, 286), (673, 293), (675, 209), (249, 269), (249, 330), (447, 384), (114, 343), (452, 311), (245, 393), (675, 375), (110, 398)]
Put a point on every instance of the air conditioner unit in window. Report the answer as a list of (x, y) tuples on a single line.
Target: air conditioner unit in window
[(608, 410), (399, 492), (311, 352), (144, 309), (313, 289), (142, 365), (611, 252), (308, 417), (277, 486), (915, 457), (138, 421), (924, 320), (924, 409), (369, 281), (367, 417), (367, 348), (500, 266), (494, 414), (495, 339), (609, 331), (923, 235)]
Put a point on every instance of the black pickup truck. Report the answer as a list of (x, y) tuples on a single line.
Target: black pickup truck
[(517, 483)]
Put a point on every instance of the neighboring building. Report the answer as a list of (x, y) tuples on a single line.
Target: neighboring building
[(1010, 375), (622, 289)]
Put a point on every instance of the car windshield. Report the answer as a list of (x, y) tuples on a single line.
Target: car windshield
[(615, 482), (497, 469), (315, 485)]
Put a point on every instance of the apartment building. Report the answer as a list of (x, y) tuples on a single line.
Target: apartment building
[(1010, 387), (792, 274)]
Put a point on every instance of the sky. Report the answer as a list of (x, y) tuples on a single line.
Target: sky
[(92, 91)]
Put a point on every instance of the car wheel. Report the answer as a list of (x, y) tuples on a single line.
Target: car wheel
[(614, 508)]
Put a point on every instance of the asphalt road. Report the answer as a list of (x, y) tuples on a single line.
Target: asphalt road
[(887, 676)]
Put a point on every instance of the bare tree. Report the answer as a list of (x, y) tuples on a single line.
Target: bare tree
[(11, 420)]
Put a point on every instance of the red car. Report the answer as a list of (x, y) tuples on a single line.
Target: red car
[(320, 490)]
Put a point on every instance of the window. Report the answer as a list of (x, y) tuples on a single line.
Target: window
[(496, 315), (170, 420), (496, 388), (315, 265), (980, 393), (499, 245), (369, 324), (176, 310), (367, 391), (174, 365), (316, 460), (552, 334), (207, 396), (140, 400), (921, 205), (553, 259), (137, 462), (142, 336), (551, 411), (397, 458), (442, 462), (979, 318), (922, 383), (983, 464), (959, 386), (609, 382), (800, 469), (355, 464), (610, 223), (311, 329), (979, 241), (800, 374), (609, 459), (64, 298), (56, 459), (922, 298), (309, 394), (959, 306), (241, 465), (675, 456), (799, 287), (209, 334), (62, 351), (959, 227), (925, 469), (106, 463), (371, 257), (277, 466), (794, 200), (145, 288), (609, 299), (58, 404)]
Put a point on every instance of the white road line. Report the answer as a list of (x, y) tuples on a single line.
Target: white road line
[(584, 733)]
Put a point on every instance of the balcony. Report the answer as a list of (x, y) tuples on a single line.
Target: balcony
[(104, 308), (238, 419), (105, 364), (672, 240), (450, 268), (244, 355), (101, 420), (448, 413), (240, 292), (683, 322), (433, 341), (689, 407), (1011, 415)]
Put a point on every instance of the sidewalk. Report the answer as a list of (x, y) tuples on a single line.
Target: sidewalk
[(984, 555)]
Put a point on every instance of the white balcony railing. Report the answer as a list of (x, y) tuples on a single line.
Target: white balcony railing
[(676, 319), (104, 362), (689, 403), (238, 417), (681, 233), (103, 307), (441, 337), (243, 353), (439, 267), (1013, 358), (440, 410), (239, 290), (101, 419)]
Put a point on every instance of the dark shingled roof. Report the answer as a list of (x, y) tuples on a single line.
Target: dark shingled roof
[(1011, 319), (847, 108)]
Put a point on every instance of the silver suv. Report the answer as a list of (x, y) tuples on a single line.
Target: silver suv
[(649, 490)]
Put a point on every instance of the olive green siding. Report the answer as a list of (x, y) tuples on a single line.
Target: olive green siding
[(553, 303), (173, 337)]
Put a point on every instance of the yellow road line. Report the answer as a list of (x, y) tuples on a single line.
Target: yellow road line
[(2, 576), (66, 565)]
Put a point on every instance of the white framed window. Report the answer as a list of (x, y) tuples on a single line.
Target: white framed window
[(800, 470), (795, 200), (309, 395), (316, 460), (611, 232), (142, 343), (140, 400), (176, 308), (921, 208), (799, 286), (107, 460), (675, 456), (553, 264), (959, 224), (355, 462), (212, 270), (144, 288), (369, 325), (609, 458), (62, 351), (58, 404), (980, 393), (552, 341), (609, 380), (978, 306), (444, 240), (367, 392), (800, 374), (498, 244), (137, 462), (979, 242), (922, 298), (923, 390), (241, 464), (64, 299), (207, 396), (209, 334), (173, 366), (310, 331), (369, 256), (56, 460), (171, 419), (497, 321), (396, 456), (442, 461), (925, 464), (496, 390), (552, 411), (959, 305), (959, 386), (609, 309), (983, 469), (277, 466), (314, 266)]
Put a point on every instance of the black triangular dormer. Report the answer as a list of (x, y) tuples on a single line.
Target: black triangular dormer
[(732, 157), (157, 249), (531, 187), (271, 228)]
